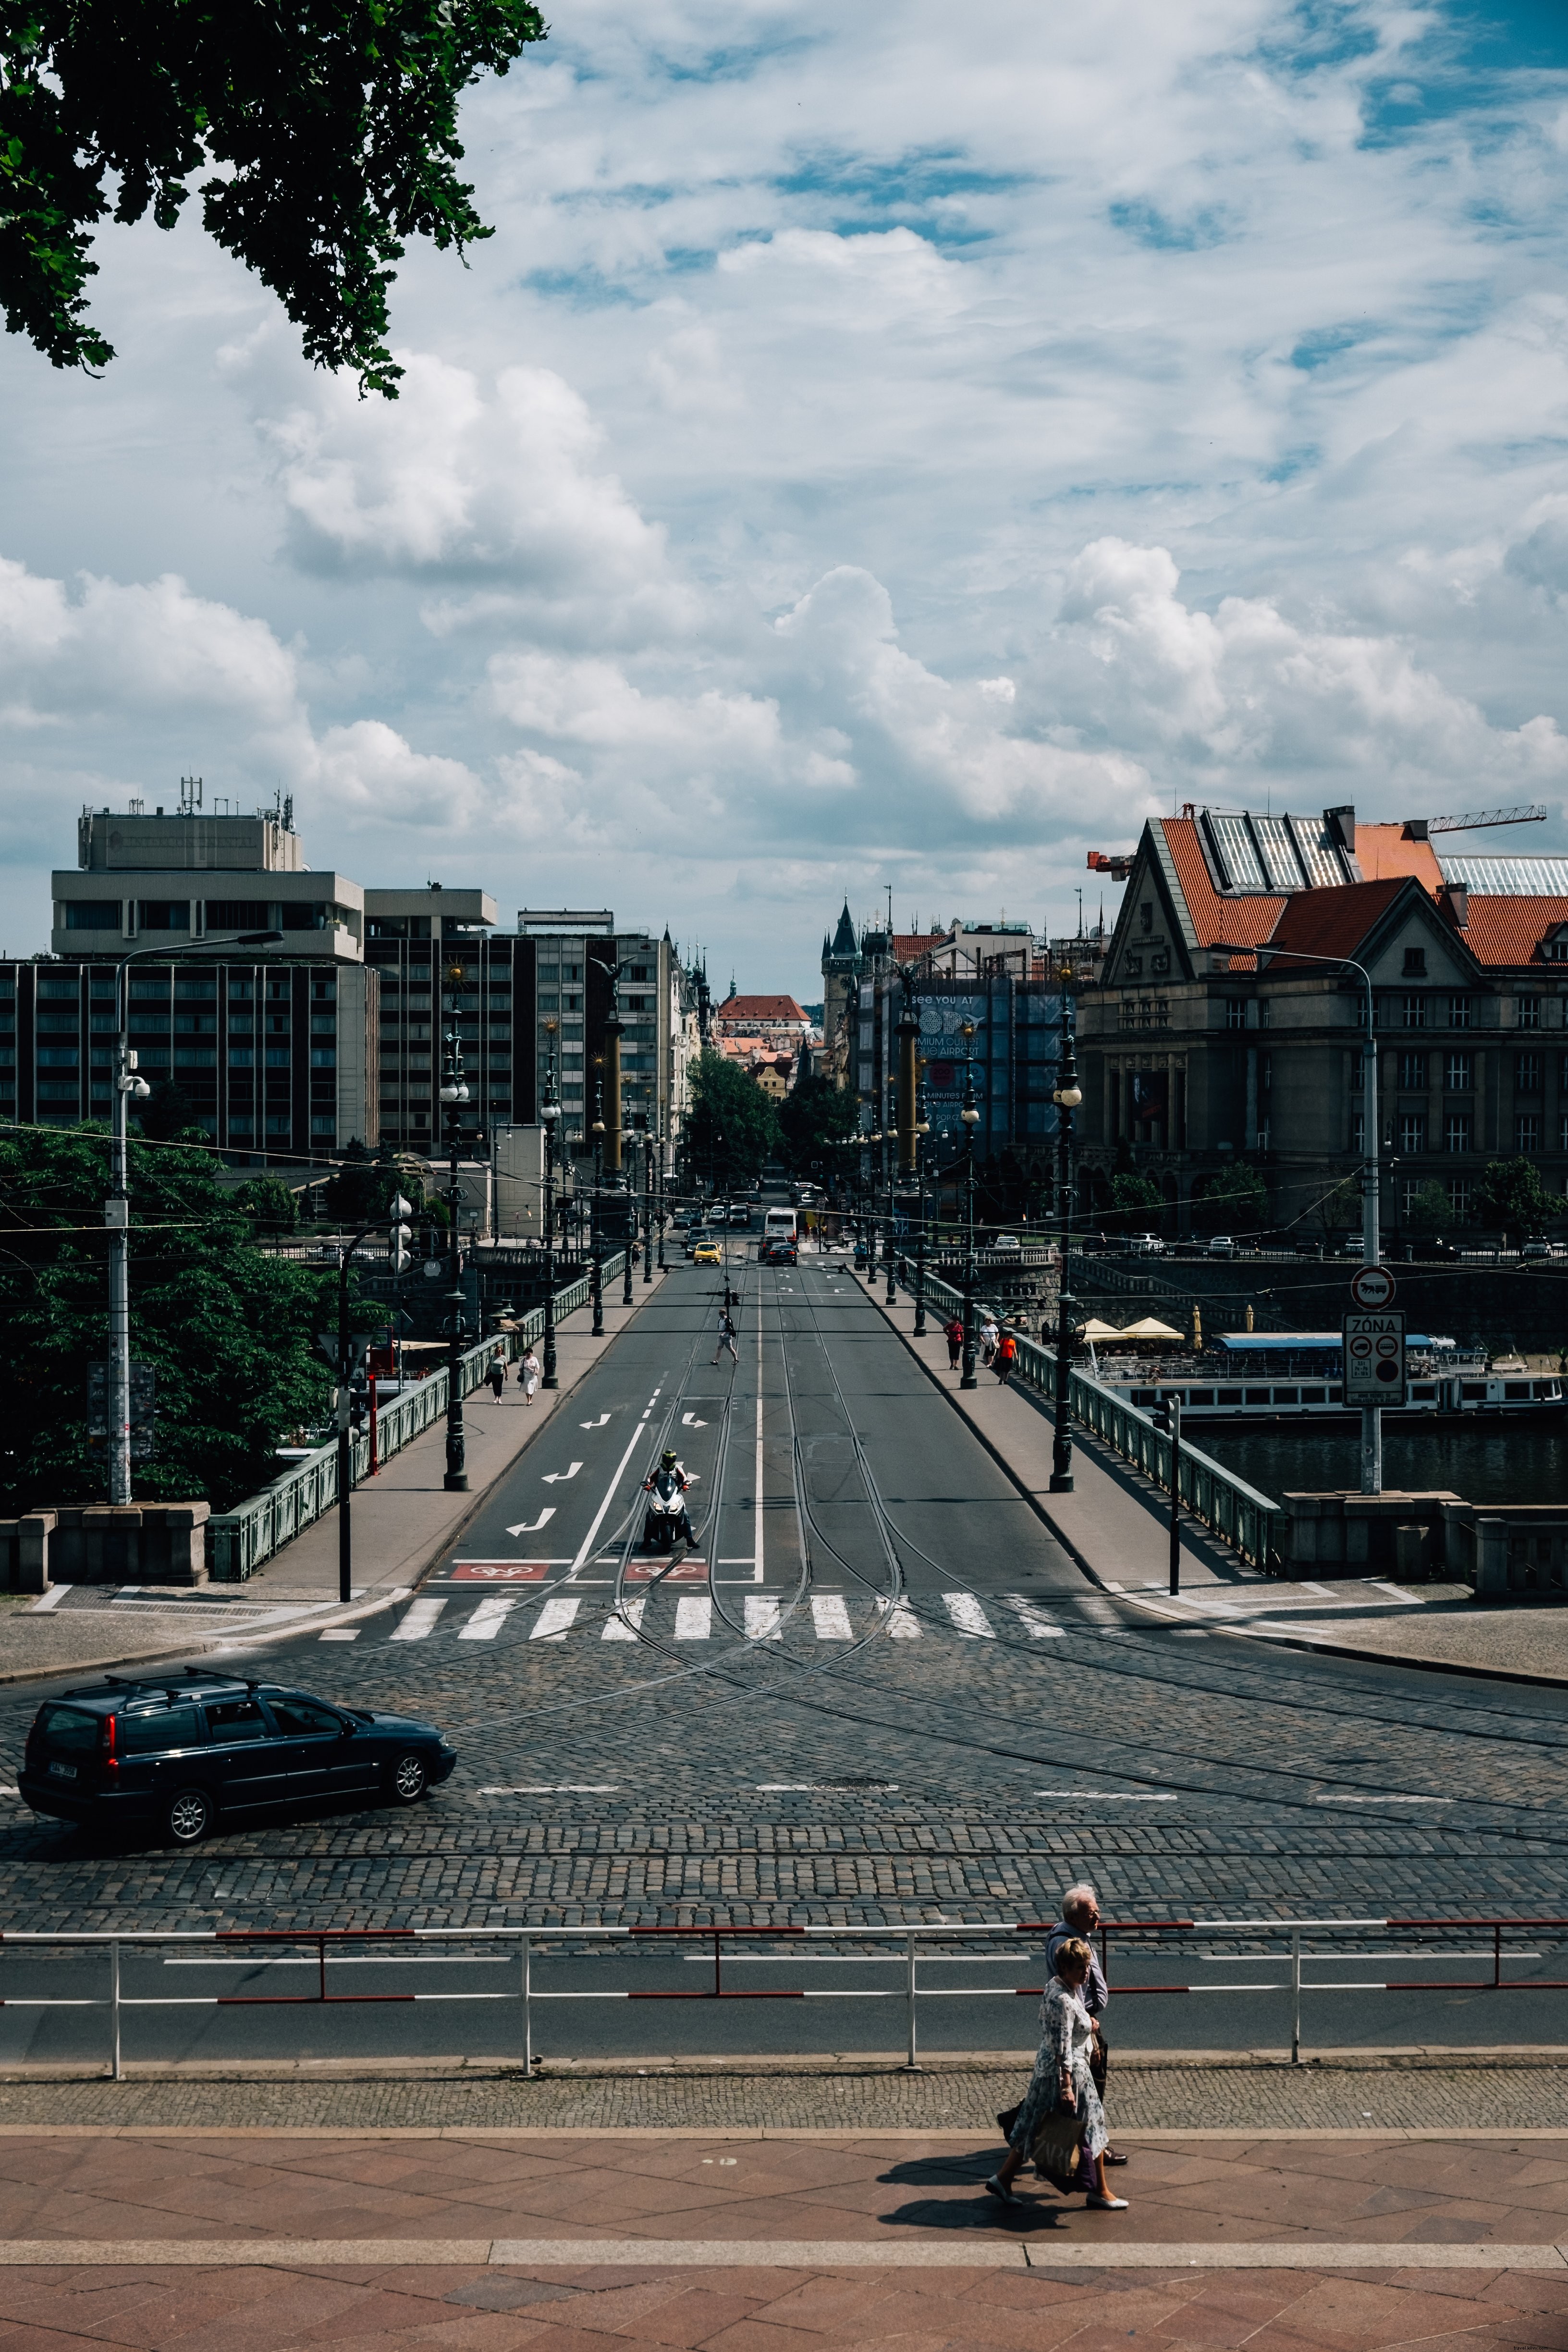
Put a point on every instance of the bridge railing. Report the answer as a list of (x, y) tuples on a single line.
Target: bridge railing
[(1252, 1523), (240, 1540)]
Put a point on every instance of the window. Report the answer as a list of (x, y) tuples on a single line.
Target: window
[(1459, 1197), (233, 1719), (1527, 1074), (1412, 1131), (277, 1057), (1527, 1011), (1413, 1071), (1358, 1132), (1456, 1073), (1458, 1130), (1358, 1074), (237, 915), (1236, 1012), (1415, 964), (323, 1057), (1562, 1131), (1459, 1011), (1415, 1013), (149, 1731), (1266, 1014), (163, 915), (1527, 1131), (92, 914), (303, 1720), (1265, 1070), (1409, 1188)]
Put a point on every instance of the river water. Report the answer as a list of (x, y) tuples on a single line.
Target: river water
[(1495, 1462)]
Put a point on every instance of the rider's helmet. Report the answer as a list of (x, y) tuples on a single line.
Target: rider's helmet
[(668, 1458)]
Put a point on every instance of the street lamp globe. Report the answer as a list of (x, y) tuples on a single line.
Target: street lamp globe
[(969, 1114), (1068, 1097)]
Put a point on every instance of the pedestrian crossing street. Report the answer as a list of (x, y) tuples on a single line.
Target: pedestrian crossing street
[(692, 1617)]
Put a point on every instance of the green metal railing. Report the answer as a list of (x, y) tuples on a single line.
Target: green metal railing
[(238, 1541), (1251, 1523)]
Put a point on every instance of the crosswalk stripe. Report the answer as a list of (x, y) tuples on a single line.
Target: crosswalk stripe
[(693, 1617), (903, 1625), (968, 1616), (831, 1618), (486, 1620), (762, 1621), (553, 1619), (1040, 1627), (616, 1628), (417, 1621)]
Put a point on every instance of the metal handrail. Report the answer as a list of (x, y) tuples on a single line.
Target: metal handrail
[(1252, 1523), (238, 1541)]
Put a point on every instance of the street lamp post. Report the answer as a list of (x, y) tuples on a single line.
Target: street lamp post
[(454, 1094), (1371, 1242), (922, 1128), (970, 1115), (630, 1192), (597, 1270), (128, 1087), (663, 1269), (1068, 1095), (549, 1115)]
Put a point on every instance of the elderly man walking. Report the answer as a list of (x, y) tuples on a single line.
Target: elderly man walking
[(1081, 1917)]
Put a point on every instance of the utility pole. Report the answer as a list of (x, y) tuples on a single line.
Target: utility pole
[(455, 1094), (970, 1115), (1068, 1096)]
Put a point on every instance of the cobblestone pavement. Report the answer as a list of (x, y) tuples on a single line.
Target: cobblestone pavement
[(1172, 2097), (868, 1779)]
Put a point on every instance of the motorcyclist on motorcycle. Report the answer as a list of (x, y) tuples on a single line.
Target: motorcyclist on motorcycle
[(669, 1480)]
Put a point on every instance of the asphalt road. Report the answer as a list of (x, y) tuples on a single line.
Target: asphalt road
[(879, 1692)]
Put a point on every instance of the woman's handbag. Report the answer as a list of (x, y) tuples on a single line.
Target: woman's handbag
[(1057, 2144)]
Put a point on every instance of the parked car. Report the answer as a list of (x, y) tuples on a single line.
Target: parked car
[(1007, 1245), (1145, 1245), (182, 1751), (1221, 1245), (1537, 1252)]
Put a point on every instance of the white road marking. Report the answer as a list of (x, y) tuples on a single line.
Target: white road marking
[(968, 1616), (693, 1617), (616, 1628), (340, 1633), (552, 1619), (1323, 1591), (604, 1417), (417, 1621), (585, 1550), (1115, 1796), (757, 1475), (1356, 1796), (559, 1477), (1396, 1592), (831, 1618), (525, 1528), (763, 1620), (903, 1625), (1040, 1627), (51, 1599), (486, 1620)]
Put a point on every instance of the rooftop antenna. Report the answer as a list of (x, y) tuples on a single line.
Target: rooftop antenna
[(1081, 911), (190, 796)]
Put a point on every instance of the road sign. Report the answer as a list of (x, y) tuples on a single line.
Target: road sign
[(1374, 1359), (1371, 1287)]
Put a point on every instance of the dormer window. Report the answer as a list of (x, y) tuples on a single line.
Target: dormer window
[(1554, 946), (1415, 964)]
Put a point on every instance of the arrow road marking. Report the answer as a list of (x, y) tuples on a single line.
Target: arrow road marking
[(554, 1477), (689, 1421), (604, 1417), (523, 1527)]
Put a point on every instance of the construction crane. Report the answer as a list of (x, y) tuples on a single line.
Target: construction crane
[(1416, 829)]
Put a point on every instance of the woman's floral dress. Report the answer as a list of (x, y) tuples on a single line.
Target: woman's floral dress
[(1067, 2036)]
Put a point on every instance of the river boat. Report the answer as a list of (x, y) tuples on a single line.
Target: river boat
[(1260, 1376)]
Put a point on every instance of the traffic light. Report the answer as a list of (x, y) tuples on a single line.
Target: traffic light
[(399, 1235), (1161, 1414)]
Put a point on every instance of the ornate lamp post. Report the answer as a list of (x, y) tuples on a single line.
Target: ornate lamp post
[(970, 1114), (873, 1171), (1066, 1097), (922, 1128), (660, 1195), (548, 1118), (596, 1271), (454, 1094), (629, 1181)]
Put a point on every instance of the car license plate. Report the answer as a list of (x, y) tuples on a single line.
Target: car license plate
[(63, 1772)]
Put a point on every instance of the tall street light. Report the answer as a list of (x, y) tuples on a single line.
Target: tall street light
[(970, 1115), (1067, 1096), (595, 1265), (548, 1119), (1371, 1243), (454, 1094), (922, 1128), (129, 1086)]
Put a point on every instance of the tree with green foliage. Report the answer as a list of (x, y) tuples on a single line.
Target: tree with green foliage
[(1234, 1199), (166, 1113), (1339, 1210), (732, 1129), (1511, 1196), (327, 132), (227, 1329), (269, 1205), (814, 1118), (1133, 1198), (1430, 1214)]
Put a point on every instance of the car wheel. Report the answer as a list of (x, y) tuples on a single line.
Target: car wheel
[(409, 1779), (187, 1817)]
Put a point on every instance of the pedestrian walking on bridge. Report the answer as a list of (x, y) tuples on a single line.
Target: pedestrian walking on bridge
[(1061, 2093), (954, 1334), (528, 1376)]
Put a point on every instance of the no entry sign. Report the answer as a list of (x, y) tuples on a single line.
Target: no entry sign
[(1371, 1287), (1374, 1359)]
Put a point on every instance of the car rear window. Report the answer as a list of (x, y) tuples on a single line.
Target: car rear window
[(235, 1718), (157, 1729), (67, 1729)]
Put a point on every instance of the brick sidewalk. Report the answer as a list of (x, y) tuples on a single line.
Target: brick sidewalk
[(483, 2241)]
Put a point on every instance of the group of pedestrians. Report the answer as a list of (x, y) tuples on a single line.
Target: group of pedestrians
[(1060, 2123), (998, 1345), (528, 1376)]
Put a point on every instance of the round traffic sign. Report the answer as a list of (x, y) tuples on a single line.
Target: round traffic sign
[(1371, 1287)]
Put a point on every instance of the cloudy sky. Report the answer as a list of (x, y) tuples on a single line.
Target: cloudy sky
[(881, 445)]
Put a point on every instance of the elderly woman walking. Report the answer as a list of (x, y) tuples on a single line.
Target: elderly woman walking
[(1061, 2081)]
